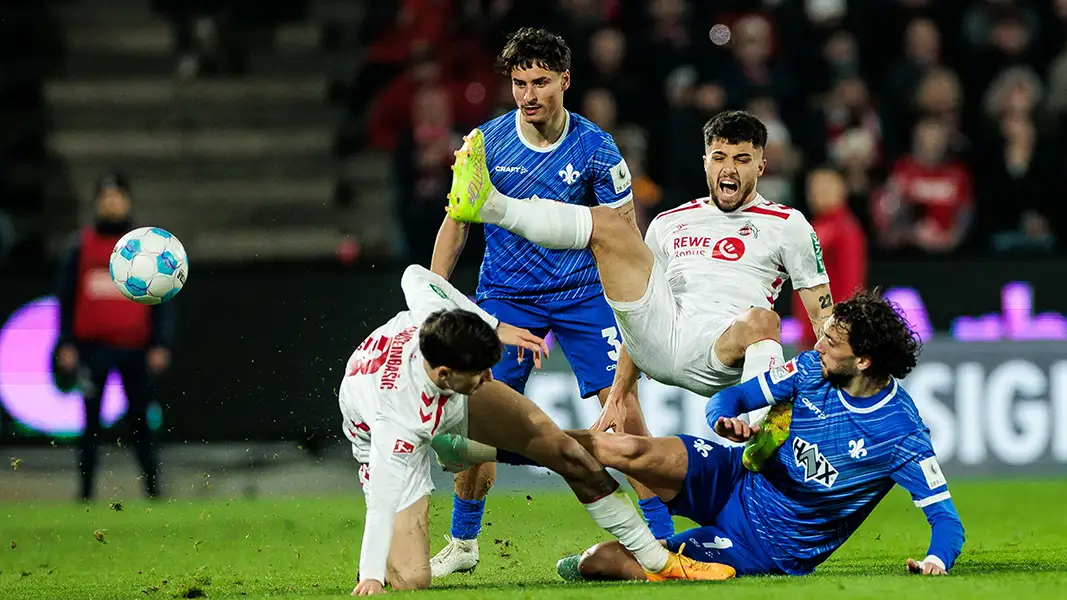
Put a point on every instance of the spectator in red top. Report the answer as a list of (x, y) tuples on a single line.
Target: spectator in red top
[(926, 203), (844, 245)]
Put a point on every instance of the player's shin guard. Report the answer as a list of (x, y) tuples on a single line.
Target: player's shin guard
[(546, 223), (657, 517), (616, 514), (467, 518)]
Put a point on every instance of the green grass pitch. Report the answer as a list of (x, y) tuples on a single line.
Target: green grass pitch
[(308, 548)]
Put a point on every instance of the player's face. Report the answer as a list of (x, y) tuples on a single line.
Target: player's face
[(538, 93), (466, 382), (839, 364), (113, 205), (733, 171)]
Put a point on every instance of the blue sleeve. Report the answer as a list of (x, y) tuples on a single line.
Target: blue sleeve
[(772, 387), (67, 289), (611, 176), (916, 470)]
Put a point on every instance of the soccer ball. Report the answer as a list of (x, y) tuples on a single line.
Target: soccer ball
[(149, 265)]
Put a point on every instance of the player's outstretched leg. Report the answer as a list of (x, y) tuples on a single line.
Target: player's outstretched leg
[(461, 554), (754, 340), (503, 418), (623, 259)]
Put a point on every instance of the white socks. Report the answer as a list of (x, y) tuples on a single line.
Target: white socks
[(760, 357), (544, 222), (617, 515)]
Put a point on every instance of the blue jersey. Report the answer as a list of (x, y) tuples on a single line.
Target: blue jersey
[(842, 456), (583, 167)]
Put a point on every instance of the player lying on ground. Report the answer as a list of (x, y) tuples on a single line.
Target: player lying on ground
[(855, 433), (410, 380), (542, 149), (694, 301)]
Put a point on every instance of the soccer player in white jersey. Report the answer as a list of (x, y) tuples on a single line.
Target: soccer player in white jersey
[(410, 380), (694, 302)]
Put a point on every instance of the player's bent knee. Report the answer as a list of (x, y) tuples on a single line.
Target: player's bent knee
[(760, 324), (411, 579)]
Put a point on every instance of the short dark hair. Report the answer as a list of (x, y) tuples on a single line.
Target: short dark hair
[(460, 340), (877, 330), (529, 47), (735, 127)]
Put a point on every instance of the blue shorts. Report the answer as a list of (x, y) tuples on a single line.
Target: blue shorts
[(709, 497), (585, 329)]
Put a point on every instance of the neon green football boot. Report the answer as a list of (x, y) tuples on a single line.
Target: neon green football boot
[(773, 432), (470, 180)]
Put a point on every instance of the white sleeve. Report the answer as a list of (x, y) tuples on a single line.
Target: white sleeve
[(393, 452), (654, 243), (427, 292), (801, 253)]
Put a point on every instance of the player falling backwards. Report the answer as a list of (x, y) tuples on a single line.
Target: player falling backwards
[(855, 433), (542, 149), (694, 301), (409, 380)]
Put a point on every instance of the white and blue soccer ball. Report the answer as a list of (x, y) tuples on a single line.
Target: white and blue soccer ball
[(149, 265)]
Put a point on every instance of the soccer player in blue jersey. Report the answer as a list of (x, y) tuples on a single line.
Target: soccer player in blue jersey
[(543, 150), (855, 434)]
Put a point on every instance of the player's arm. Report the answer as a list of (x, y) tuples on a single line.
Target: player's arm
[(919, 473), (801, 255), (67, 289), (818, 304), (612, 181), (427, 292), (451, 238), (771, 387), (393, 451)]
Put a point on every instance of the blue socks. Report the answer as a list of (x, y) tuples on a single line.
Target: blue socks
[(656, 514), (467, 518)]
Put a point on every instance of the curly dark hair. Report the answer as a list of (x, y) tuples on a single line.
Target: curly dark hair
[(531, 46), (735, 127), (877, 330), (460, 340)]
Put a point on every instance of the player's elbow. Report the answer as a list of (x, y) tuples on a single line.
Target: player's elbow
[(414, 276)]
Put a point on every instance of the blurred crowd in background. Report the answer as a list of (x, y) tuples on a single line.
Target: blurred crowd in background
[(941, 117)]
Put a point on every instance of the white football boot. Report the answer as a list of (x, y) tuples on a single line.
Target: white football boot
[(459, 556)]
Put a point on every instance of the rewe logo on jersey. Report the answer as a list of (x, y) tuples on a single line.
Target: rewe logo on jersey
[(814, 463), (728, 249), (569, 175)]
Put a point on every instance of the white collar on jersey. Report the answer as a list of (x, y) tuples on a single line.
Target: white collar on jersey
[(869, 409), (522, 138)]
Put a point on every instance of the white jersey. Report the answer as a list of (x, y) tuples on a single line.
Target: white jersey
[(391, 410), (720, 264), (710, 267)]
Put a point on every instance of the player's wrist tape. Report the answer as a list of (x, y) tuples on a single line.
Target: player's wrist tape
[(935, 561)]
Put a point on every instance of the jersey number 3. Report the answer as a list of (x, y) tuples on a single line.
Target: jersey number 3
[(611, 334)]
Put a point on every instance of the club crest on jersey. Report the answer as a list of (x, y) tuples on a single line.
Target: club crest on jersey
[(815, 465), (569, 175), (749, 228)]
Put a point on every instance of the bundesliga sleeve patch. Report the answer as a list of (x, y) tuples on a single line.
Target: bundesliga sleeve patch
[(935, 478), (780, 374), (403, 447), (620, 176)]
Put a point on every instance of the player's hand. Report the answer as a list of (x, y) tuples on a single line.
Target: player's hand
[(924, 568), (369, 587), (67, 357), (523, 340), (158, 360), (613, 415), (735, 430)]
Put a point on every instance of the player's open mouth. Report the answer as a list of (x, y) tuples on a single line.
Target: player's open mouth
[(728, 187), (530, 110)]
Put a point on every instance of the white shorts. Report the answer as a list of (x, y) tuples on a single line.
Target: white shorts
[(669, 348)]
